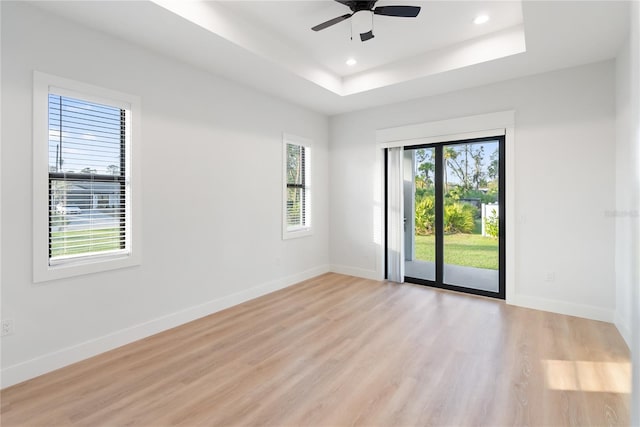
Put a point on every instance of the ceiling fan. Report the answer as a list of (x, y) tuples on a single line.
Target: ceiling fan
[(368, 5)]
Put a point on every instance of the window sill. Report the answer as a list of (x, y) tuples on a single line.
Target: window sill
[(294, 234), (82, 267)]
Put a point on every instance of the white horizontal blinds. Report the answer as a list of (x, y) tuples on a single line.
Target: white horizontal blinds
[(87, 179), (297, 216)]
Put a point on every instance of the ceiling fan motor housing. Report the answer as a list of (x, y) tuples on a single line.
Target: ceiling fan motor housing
[(358, 5)]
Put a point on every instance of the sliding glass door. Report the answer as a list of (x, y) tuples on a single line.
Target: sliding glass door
[(454, 215)]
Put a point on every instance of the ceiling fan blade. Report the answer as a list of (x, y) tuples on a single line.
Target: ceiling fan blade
[(331, 22), (402, 11), (344, 2)]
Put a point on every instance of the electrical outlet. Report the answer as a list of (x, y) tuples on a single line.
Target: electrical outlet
[(550, 276), (7, 327)]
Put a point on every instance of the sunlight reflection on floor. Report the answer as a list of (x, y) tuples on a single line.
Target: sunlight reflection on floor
[(605, 377)]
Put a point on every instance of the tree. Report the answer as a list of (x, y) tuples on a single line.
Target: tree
[(493, 169), (448, 154), (479, 175), (426, 165), (113, 169), (457, 164), (426, 169), (294, 164), (465, 161)]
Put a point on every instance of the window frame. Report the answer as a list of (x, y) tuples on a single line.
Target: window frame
[(43, 269), (306, 229)]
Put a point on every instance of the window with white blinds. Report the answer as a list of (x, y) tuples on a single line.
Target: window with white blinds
[(297, 192), (87, 179), (86, 184)]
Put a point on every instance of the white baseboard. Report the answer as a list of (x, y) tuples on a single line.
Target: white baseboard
[(357, 272), (49, 362), (624, 329), (562, 307)]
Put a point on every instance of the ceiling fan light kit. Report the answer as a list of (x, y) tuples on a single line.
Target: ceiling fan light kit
[(363, 5), (366, 36)]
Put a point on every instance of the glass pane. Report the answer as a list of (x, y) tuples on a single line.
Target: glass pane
[(419, 200), (84, 137), (85, 217), (295, 164), (295, 207), (470, 186)]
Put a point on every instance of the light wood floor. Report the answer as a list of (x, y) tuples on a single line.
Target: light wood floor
[(337, 351)]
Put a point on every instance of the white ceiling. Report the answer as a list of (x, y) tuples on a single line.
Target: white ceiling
[(269, 45), (439, 24)]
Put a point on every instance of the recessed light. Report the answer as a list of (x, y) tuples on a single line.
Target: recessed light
[(351, 62), (481, 19)]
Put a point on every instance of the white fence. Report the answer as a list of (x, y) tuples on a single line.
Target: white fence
[(488, 210)]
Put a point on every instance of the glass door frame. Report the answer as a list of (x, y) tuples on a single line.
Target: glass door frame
[(439, 218)]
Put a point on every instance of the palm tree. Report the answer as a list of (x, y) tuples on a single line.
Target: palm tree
[(449, 154), (426, 168)]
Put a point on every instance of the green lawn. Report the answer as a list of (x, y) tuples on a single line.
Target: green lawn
[(472, 250), (75, 242)]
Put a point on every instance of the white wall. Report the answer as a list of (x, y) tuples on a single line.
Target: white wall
[(634, 261), (565, 134), (627, 217), (625, 197), (211, 172)]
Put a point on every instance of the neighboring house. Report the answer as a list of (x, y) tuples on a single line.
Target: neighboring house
[(92, 195)]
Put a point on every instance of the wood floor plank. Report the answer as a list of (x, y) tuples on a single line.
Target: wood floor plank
[(338, 350)]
